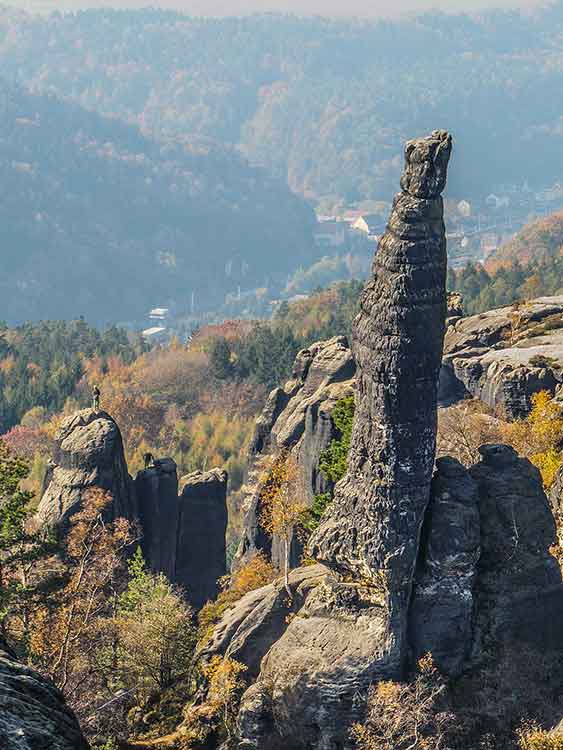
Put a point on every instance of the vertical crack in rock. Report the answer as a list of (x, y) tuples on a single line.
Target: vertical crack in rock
[(373, 527)]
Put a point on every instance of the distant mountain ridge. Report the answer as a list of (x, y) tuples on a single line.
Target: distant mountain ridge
[(323, 104), (98, 220), (539, 241)]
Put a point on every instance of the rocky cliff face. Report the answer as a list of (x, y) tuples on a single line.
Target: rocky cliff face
[(157, 493), (373, 527), (504, 356), (201, 557), (88, 454), (484, 579), (519, 594), (455, 564), (297, 418), (33, 714), (184, 535), (442, 607)]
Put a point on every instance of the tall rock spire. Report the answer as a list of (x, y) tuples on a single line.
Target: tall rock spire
[(373, 528)]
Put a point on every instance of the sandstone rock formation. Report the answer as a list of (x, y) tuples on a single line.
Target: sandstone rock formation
[(201, 557), (33, 714), (157, 496), (520, 594), (442, 607), (259, 619), (297, 417), (484, 579), (458, 564), (181, 536), (88, 454), (184, 535), (504, 356), (373, 527)]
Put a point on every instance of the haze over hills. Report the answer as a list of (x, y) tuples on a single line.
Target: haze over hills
[(98, 220), (324, 105), (376, 8)]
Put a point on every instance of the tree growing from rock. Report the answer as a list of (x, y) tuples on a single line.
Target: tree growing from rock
[(282, 506), (408, 715)]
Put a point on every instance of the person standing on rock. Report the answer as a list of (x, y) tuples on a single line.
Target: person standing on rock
[(96, 393)]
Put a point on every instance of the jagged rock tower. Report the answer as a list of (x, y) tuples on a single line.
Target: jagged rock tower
[(373, 528)]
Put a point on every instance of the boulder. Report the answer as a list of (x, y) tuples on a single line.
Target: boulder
[(88, 454), (33, 713), (504, 356), (314, 676), (372, 529), (250, 627)]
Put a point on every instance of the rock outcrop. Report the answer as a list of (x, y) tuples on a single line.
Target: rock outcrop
[(442, 607), (520, 594), (504, 356), (297, 418), (457, 563), (157, 495), (251, 627), (201, 556), (485, 579), (88, 454), (184, 535), (33, 713), (373, 528)]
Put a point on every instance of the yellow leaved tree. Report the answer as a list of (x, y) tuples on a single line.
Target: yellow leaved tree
[(282, 505), (539, 437)]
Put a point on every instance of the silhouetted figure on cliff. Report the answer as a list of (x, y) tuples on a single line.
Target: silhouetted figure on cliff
[(96, 393)]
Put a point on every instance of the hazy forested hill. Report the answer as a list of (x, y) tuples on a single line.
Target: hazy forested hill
[(323, 104), (98, 220)]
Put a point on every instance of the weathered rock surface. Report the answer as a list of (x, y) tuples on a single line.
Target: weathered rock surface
[(33, 713), (441, 610), (297, 418), (313, 677), (372, 529), (201, 555), (184, 535), (504, 356), (520, 593), (455, 564), (259, 619), (157, 494), (88, 454)]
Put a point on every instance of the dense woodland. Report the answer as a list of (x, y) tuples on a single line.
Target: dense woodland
[(85, 611), (134, 223), (325, 105), (196, 402), (530, 266)]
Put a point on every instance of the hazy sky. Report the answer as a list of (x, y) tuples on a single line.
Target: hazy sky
[(235, 7)]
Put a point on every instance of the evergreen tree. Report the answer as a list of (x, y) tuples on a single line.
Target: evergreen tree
[(21, 549)]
